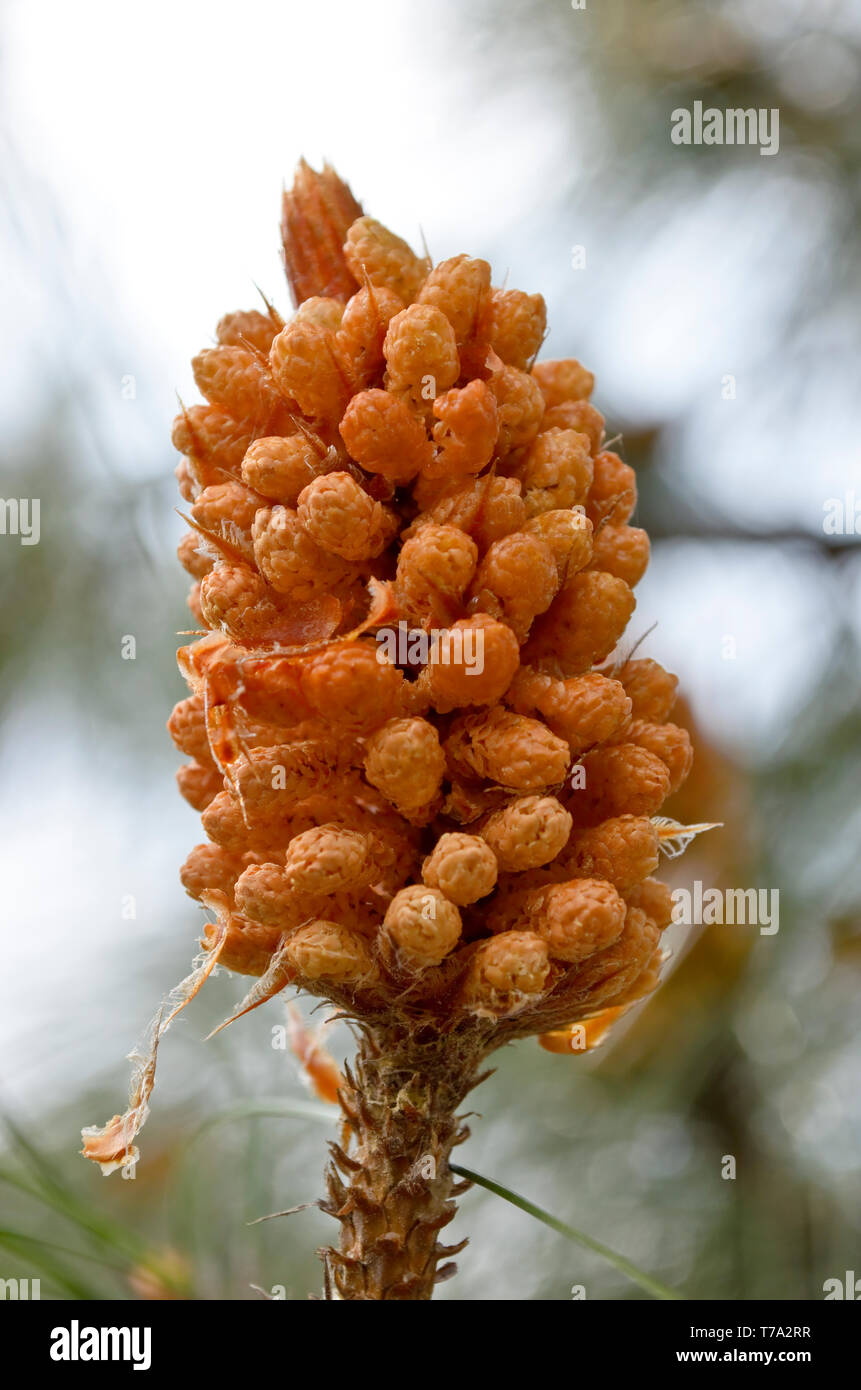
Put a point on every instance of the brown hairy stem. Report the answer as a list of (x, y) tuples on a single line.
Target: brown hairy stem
[(390, 1185)]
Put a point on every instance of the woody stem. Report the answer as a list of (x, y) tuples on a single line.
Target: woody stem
[(390, 1185)]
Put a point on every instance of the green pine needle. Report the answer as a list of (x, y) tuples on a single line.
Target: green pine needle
[(639, 1276)]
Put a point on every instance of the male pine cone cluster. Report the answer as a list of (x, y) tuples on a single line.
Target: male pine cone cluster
[(461, 833)]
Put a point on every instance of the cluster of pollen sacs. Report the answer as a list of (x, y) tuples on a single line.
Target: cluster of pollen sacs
[(469, 838)]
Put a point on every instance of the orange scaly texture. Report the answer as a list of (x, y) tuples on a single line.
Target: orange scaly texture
[(401, 834)]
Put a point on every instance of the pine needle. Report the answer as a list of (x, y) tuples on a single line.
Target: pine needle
[(625, 1266)]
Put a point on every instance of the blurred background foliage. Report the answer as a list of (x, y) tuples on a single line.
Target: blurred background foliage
[(535, 128)]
